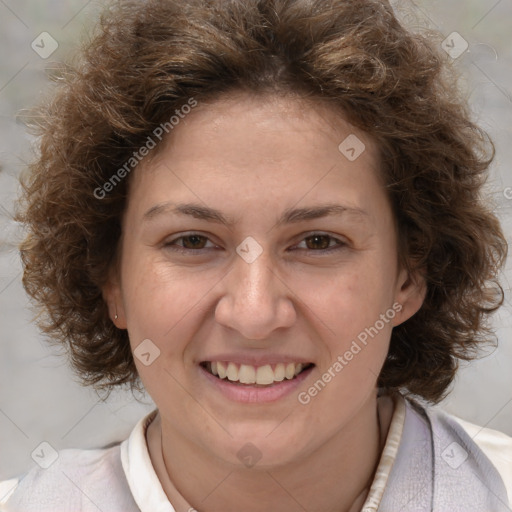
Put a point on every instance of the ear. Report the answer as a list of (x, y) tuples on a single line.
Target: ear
[(112, 295), (409, 294)]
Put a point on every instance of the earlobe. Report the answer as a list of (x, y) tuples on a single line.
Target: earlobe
[(112, 296), (410, 294)]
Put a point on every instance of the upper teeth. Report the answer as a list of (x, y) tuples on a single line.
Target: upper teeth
[(248, 374)]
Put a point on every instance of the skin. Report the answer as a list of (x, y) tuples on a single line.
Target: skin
[(253, 157)]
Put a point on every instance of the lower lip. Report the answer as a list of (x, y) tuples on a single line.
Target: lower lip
[(252, 394)]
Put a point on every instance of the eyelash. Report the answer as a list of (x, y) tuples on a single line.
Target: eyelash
[(171, 244)]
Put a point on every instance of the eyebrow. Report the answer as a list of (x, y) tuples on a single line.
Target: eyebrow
[(289, 216)]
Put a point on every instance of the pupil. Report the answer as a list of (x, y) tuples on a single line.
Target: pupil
[(320, 237), (194, 238)]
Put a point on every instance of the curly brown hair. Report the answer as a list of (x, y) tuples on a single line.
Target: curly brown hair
[(148, 58)]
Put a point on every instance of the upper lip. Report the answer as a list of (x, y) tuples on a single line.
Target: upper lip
[(255, 360)]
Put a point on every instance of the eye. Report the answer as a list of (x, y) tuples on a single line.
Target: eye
[(321, 242), (190, 242), (194, 242)]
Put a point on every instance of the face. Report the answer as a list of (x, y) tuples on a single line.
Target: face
[(254, 245)]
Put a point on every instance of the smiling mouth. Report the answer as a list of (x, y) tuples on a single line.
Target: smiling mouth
[(255, 376)]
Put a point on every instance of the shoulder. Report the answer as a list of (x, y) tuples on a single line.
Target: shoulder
[(77, 480), (490, 450), (496, 445), (444, 463)]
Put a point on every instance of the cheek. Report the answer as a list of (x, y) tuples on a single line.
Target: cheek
[(348, 299), (161, 306), (346, 311), (161, 302)]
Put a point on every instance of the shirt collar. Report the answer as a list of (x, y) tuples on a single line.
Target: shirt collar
[(149, 495), (144, 483)]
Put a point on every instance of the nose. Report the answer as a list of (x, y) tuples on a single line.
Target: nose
[(256, 300)]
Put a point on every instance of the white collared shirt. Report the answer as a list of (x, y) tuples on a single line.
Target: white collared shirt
[(122, 478)]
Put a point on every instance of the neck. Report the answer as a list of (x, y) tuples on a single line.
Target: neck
[(334, 478)]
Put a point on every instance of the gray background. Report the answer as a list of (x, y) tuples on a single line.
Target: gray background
[(40, 399)]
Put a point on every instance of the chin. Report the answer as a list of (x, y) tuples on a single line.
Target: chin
[(262, 449)]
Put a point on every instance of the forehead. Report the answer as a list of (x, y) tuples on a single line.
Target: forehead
[(243, 131), (261, 151)]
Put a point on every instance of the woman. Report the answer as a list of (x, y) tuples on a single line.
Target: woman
[(268, 214)]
